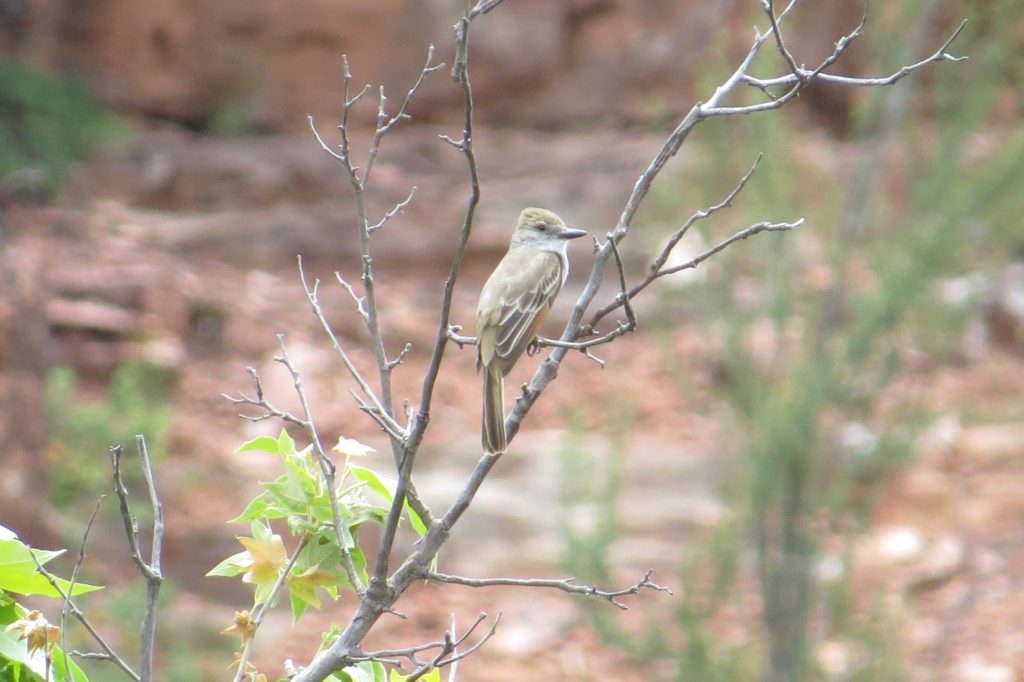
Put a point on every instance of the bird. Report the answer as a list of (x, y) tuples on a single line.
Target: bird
[(514, 302)]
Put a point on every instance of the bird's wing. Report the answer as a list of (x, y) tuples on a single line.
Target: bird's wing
[(526, 305)]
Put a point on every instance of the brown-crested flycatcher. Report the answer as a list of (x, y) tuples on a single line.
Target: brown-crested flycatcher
[(514, 303)]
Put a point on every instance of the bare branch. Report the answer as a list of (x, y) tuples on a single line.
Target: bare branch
[(666, 251), (406, 455), (262, 403), (401, 356), (74, 579), (456, 657), (756, 228), (460, 341), (351, 292), (312, 294), (447, 649), (565, 585), (153, 575), (398, 208), (940, 55), (384, 124), (460, 73), (769, 9), (482, 7)]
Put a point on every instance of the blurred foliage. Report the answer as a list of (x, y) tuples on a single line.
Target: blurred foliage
[(46, 124), (235, 115), (815, 325), (83, 431)]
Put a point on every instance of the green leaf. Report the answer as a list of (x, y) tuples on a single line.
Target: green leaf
[(359, 560), (285, 444), (367, 671), (231, 566), (385, 487), (288, 496), (299, 606), (61, 663), (416, 521), (18, 571), (256, 509), (261, 531), (14, 659), (261, 444)]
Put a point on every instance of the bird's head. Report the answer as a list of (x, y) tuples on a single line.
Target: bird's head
[(539, 226)]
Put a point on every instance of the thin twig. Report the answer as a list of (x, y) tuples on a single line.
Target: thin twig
[(565, 585), (940, 55), (398, 208), (769, 9), (757, 228), (440, 661), (74, 579), (447, 654), (351, 292), (381, 413), (670, 245)]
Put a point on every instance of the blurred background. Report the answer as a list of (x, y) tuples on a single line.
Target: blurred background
[(817, 439)]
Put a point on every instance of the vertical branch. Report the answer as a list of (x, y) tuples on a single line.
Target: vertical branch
[(154, 577), (460, 73), (150, 571)]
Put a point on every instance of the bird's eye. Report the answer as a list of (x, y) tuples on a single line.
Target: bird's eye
[(541, 226)]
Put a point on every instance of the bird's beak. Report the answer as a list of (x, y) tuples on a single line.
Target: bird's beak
[(571, 234)]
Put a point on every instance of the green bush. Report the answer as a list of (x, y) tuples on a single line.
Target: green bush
[(46, 124), (83, 430)]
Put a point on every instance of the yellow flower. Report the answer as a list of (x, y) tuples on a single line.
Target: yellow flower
[(263, 560)]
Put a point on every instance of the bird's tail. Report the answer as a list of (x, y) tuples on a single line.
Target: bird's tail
[(494, 440)]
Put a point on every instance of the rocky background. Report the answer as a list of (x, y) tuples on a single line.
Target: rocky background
[(175, 244)]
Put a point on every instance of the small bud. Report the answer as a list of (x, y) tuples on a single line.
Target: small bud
[(243, 626)]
